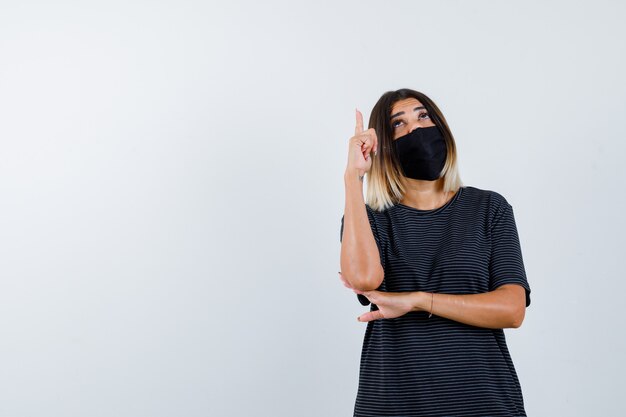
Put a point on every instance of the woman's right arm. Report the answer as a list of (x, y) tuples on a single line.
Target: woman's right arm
[(360, 259)]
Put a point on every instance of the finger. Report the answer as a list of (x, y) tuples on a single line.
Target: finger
[(364, 140), (372, 141), (375, 140), (367, 142), (370, 315), (359, 123)]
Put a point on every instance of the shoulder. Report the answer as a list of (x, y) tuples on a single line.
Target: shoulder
[(374, 214), (488, 205), (489, 199), (380, 219), (374, 211)]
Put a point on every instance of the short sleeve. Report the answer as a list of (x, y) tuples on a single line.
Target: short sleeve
[(506, 265)]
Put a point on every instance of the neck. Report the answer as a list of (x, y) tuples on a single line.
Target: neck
[(424, 195)]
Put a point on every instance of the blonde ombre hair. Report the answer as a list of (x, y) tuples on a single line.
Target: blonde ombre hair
[(384, 179)]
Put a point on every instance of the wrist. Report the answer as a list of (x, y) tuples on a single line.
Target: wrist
[(354, 176), (421, 301)]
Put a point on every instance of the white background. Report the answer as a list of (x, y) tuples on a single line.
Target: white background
[(171, 184)]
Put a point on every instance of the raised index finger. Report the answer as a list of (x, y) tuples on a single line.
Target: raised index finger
[(359, 123)]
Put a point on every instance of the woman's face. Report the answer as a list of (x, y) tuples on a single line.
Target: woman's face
[(408, 115)]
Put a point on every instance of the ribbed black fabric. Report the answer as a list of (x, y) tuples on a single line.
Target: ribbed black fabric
[(418, 366)]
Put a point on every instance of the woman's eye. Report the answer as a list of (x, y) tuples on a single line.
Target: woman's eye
[(396, 123)]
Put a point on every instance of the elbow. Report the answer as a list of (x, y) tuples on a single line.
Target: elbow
[(512, 305), (517, 317), (365, 281), (369, 284)]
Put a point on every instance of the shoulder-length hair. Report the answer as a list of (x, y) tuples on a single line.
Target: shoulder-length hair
[(384, 179)]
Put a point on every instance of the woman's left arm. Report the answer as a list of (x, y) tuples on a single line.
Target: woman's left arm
[(503, 307)]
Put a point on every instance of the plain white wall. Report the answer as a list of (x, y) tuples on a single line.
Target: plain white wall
[(171, 181)]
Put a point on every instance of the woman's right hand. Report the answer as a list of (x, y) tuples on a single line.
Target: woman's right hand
[(360, 147)]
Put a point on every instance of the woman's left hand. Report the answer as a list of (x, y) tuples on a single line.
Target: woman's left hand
[(390, 304)]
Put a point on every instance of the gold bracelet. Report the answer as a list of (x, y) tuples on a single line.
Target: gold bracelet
[(432, 299)]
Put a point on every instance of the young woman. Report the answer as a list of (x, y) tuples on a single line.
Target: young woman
[(441, 265)]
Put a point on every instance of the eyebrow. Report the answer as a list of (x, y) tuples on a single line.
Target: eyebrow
[(401, 113)]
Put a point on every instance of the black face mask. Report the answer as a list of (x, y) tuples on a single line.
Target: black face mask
[(422, 153)]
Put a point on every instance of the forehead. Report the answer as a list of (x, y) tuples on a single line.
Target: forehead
[(406, 105)]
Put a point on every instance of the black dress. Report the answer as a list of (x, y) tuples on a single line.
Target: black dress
[(419, 366)]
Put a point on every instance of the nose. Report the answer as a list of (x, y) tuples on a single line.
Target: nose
[(414, 126)]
